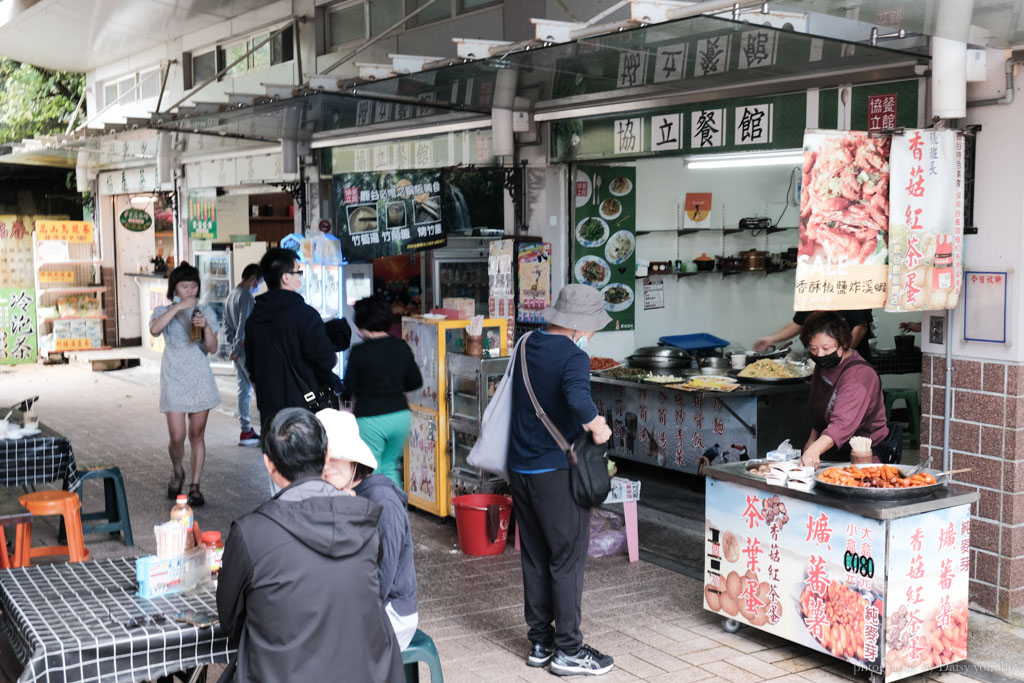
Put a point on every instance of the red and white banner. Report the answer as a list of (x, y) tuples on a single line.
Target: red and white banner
[(926, 222)]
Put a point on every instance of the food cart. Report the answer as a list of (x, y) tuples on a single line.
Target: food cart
[(874, 577)]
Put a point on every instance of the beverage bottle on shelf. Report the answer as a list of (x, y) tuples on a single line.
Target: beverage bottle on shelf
[(182, 514)]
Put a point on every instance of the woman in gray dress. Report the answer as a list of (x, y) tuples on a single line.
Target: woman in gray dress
[(187, 386)]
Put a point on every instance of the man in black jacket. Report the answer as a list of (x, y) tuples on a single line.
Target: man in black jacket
[(298, 592), (281, 315)]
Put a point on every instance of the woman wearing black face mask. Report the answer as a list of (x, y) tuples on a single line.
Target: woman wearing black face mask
[(846, 393)]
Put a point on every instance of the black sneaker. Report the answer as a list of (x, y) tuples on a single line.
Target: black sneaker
[(539, 655), (587, 661)]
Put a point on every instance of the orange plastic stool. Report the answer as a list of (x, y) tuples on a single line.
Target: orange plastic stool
[(45, 503)]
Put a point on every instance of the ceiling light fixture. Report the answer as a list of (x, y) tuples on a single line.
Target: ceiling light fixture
[(787, 157)]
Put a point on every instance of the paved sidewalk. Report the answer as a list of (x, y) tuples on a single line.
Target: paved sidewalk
[(648, 618)]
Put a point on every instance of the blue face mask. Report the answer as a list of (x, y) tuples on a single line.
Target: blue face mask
[(583, 342)]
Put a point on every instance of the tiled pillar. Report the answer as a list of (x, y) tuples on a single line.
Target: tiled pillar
[(987, 435)]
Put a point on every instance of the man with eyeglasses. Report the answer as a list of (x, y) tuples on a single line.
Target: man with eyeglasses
[(284, 331)]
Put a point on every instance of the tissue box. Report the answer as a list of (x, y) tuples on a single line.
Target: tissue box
[(780, 455), (167, 576), (465, 307)]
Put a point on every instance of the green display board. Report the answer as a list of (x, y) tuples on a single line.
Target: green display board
[(18, 343), (604, 238), (202, 213)]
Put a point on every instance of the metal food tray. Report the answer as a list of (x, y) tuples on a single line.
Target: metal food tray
[(881, 494), (769, 380), (756, 462)]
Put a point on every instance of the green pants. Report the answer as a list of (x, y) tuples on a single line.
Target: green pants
[(385, 435)]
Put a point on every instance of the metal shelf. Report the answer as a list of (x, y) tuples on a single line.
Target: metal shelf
[(72, 290)]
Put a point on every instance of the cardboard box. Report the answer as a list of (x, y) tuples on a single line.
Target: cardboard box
[(465, 307)]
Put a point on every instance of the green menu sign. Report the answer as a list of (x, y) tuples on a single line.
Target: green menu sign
[(17, 325), (202, 213), (136, 220), (604, 238)]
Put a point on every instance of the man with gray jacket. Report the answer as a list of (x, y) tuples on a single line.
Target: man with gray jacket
[(298, 592)]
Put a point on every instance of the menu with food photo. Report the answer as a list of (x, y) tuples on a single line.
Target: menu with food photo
[(604, 238), (844, 222)]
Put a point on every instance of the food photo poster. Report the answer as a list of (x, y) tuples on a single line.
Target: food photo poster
[(604, 238)]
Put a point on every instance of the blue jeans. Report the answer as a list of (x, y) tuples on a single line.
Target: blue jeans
[(244, 394)]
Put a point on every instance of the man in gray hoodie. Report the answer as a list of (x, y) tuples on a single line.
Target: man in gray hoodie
[(298, 593)]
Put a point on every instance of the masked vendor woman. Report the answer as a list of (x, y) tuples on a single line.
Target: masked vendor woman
[(846, 393)]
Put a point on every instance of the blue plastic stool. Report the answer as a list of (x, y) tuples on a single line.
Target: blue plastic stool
[(115, 512), (421, 649)]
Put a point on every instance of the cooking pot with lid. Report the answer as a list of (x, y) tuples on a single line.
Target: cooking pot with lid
[(753, 259), (659, 358), (715, 363)]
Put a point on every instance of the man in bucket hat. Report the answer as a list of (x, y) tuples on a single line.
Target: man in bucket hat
[(554, 531)]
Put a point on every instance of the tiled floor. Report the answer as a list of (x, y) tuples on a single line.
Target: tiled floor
[(648, 618)]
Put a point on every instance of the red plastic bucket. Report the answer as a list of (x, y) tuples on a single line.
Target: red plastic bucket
[(477, 534)]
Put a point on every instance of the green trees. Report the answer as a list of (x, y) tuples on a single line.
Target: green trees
[(36, 101)]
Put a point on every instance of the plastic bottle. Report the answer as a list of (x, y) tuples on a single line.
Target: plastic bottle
[(214, 551), (182, 514), (196, 332)]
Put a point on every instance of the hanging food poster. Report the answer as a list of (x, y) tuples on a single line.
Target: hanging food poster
[(389, 213), (926, 223), (808, 573), (604, 238), (929, 572), (844, 222), (534, 281)]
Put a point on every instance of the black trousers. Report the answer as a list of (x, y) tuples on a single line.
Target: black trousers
[(554, 533)]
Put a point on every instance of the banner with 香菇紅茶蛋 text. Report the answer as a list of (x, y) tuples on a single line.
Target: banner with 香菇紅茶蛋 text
[(844, 222), (926, 223)]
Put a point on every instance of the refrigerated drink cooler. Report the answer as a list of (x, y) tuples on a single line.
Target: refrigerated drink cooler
[(471, 385), (215, 282)]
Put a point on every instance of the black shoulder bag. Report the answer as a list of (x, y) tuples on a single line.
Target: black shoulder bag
[(589, 482), (316, 400)]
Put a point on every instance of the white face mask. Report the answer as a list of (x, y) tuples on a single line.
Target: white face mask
[(583, 342)]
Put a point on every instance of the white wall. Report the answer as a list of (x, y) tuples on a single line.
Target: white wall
[(998, 246)]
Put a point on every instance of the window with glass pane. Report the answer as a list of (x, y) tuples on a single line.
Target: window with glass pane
[(260, 58), (346, 25), (150, 87), (384, 13), (442, 9), (233, 52), (204, 67), (109, 94), (124, 86), (470, 5), (282, 47)]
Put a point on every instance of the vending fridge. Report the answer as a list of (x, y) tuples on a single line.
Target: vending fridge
[(215, 283), (333, 289), (460, 270)]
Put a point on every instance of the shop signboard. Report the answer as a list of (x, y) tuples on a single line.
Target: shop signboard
[(534, 281), (929, 571), (136, 220), (604, 238), (926, 221), (18, 343), (811, 574), (388, 213), (66, 231), (844, 222), (202, 213)]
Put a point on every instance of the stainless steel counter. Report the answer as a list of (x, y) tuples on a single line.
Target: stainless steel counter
[(944, 497)]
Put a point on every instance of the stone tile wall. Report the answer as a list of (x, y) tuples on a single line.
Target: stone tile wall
[(986, 434)]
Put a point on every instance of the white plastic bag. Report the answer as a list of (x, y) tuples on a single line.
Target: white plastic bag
[(490, 452)]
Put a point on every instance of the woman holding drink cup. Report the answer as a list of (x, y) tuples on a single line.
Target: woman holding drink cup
[(187, 387)]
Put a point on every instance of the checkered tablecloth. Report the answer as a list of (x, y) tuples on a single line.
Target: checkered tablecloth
[(71, 622), (37, 460)]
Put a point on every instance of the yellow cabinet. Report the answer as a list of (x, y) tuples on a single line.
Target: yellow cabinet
[(427, 461)]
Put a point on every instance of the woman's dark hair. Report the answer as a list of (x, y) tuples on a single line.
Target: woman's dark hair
[(826, 322), (362, 471), (275, 263), (296, 443), (373, 314), (183, 273)]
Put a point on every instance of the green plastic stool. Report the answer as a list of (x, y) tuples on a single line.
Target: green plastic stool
[(910, 399), (115, 513), (421, 649)]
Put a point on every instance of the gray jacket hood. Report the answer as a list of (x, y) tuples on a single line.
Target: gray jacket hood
[(330, 522)]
